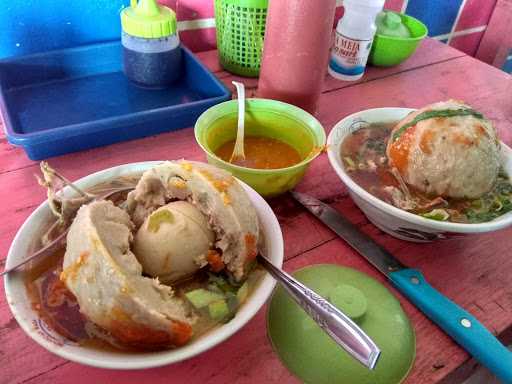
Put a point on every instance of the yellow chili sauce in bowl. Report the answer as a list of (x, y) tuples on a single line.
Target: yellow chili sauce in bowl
[(261, 153), (280, 142)]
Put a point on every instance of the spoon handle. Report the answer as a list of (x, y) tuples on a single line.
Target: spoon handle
[(238, 151), (45, 251), (335, 323)]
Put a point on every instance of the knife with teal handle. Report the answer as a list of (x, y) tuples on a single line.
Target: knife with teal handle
[(464, 328)]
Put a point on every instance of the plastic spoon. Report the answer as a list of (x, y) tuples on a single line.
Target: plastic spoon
[(238, 151)]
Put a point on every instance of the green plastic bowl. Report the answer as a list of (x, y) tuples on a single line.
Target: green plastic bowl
[(388, 51), (269, 118)]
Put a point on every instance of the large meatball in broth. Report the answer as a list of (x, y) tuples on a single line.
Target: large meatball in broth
[(446, 149)]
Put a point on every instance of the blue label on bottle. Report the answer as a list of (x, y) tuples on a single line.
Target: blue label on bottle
[(349, 71), (348, 55)]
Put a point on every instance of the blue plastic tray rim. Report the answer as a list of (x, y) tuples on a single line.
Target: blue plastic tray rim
[(73, 130)]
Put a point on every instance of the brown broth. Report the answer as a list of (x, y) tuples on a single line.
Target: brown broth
[(51, 299), (363, 153), (58, 307), (261, 153), (355, 147)]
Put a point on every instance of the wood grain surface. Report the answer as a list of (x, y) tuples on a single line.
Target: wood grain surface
[(474, 271)]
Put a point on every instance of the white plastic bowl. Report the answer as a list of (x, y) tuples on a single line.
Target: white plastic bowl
[(392, 220), (36, 328)]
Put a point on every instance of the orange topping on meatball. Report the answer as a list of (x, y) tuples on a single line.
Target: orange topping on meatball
[(463, 139), (214, 258), (128, 331), (182, 333), (399, 150), (250, 243), (481, 131), (426, 141)]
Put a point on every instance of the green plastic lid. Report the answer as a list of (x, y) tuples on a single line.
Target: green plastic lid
[(391, 24), (146, 18), (314, 357)]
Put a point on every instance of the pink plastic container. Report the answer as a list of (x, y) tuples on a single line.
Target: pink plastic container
[(296, 51)]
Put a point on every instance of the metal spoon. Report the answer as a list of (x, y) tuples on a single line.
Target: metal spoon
[(238, 151), (51, 247), (335, 323)]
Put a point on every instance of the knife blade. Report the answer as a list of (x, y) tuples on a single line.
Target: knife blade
[(464, 328)]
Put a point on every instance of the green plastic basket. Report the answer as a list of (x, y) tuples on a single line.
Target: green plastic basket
[(240, 32)]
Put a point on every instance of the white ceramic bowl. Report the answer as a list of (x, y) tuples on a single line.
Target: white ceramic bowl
[(392, 220), (36, 328)]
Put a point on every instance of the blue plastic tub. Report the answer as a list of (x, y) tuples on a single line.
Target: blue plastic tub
[(73, 99)]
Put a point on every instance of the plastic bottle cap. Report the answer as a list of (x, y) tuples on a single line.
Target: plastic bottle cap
[(392, 20), (146, 18), (391, 24)]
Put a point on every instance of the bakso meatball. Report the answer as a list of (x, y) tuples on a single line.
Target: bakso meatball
[(446, 149), (214, 200), (172, 241), (103, 274)]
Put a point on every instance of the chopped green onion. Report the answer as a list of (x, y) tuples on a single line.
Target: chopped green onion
[(201, 297), (497, 205), (507, 204), (215, 288), (158, 218), (232, 301), (223, 284), (437, 214), (437, 113), (218, 310), (350, 163), (481, 217), (242, 293)]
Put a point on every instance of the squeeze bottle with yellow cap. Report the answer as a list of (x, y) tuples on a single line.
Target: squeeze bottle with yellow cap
[(151, 46)]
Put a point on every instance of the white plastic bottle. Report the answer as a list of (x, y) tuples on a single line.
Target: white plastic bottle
[(354, 37)]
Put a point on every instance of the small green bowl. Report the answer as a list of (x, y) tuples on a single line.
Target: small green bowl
[(388, 50), (268, 118)]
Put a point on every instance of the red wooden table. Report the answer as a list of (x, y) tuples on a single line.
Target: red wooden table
[(475, 271)]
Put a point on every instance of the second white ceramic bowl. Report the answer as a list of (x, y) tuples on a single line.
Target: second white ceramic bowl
[(38, 330), (397, 222)]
